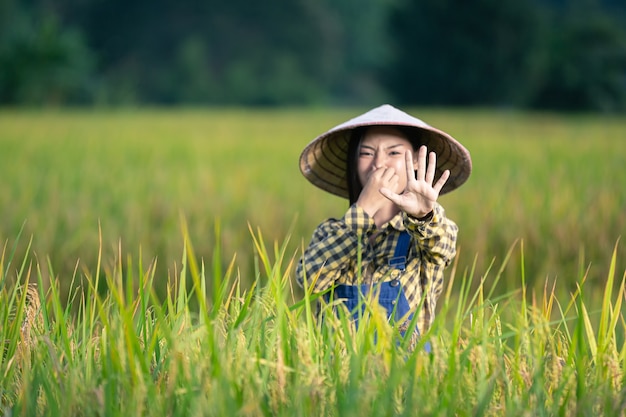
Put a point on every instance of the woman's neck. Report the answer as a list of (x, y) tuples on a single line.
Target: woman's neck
[(385, 214)]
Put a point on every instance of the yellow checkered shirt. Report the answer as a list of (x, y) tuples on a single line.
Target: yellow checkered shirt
[(332, 256)]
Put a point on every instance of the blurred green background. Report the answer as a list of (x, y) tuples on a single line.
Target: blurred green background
[(553, 181), (556, 54)]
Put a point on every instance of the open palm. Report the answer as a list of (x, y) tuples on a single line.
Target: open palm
[(420, 195)]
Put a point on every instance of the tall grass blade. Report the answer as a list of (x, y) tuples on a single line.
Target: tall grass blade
[(5, 270), (608, 315)]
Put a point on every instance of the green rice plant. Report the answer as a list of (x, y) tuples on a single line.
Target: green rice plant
[(531, 321), (553, 181), (221, 348)]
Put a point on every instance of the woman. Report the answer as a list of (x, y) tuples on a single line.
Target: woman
[(394, 238)]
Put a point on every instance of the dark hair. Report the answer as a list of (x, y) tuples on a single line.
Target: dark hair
[(354, 185)]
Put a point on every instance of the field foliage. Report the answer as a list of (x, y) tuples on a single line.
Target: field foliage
[(159, 248), (554, 182)]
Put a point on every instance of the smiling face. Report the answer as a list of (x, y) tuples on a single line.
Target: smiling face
[(383, 147)]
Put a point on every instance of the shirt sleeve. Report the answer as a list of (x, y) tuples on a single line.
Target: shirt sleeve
[(435, 241), (334, 244), (435, 236)]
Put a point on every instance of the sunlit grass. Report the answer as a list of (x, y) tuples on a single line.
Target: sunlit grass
[(553, 181), (93, 204), (263, 351)]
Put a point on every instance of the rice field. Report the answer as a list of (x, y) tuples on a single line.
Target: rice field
[(161, 244)]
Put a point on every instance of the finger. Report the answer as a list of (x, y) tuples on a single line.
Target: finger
[(377, 175), (389, 194), (410, 169), (388, 174), (442, 181), (432, 164), (393, 180), (421, 163)]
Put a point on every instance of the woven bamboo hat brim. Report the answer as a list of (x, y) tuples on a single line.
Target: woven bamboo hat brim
[(324, 161)]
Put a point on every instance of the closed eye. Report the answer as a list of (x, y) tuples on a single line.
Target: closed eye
[(366, 151), (397, 149)]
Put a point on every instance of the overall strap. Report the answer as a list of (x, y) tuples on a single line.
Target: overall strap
[(402, 251)]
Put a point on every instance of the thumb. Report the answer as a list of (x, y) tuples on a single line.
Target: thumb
[(386, 192)]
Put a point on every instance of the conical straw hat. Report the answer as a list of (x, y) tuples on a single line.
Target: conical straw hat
[(324, 161)]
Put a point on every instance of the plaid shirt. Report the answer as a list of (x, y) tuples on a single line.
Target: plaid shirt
[(332, 256)]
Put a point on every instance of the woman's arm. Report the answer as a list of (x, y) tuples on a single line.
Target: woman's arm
[(435, 241), (434, 238)]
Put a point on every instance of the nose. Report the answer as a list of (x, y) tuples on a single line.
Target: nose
[(379, 160)]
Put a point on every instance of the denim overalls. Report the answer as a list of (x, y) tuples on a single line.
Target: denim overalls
[(390, 296)]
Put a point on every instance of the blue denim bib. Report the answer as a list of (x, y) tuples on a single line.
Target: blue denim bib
[(390, 293)]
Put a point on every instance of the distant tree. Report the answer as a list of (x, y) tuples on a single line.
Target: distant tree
[(557, 54), (455, 52), (587, 62), (561, 54), (267, 53), (41, 62), (358, 35), (235, 51)]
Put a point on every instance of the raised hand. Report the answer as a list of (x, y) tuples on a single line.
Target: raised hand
[(370, 198), (420, 195)]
